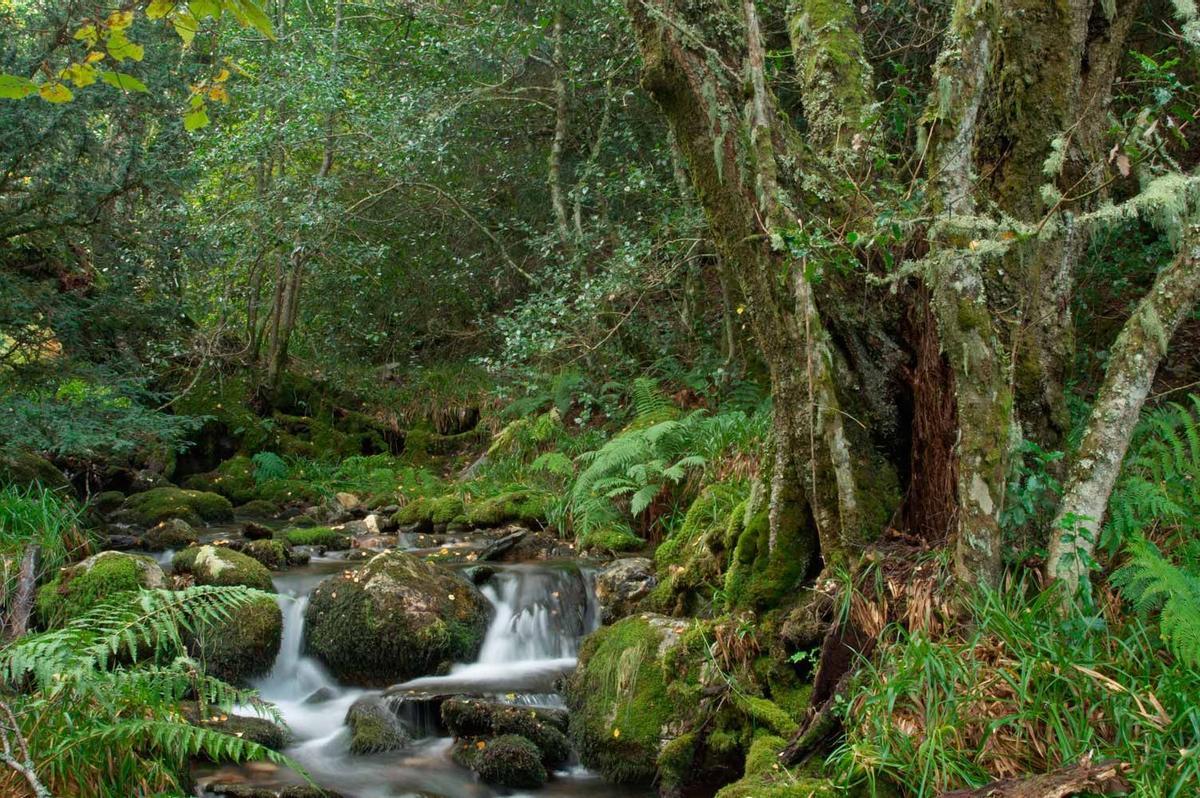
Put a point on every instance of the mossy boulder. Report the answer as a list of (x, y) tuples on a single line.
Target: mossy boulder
[(396, 618), (506, 761), (525, 506), (609, 540), (265, 732), (274, 554), (218, 565), (545, 728), (284, 492), (160, 504), (321, 536), (233, 479), (425, 513), (374, 728), (242, 647), (21, 467), (174, 533), (257, 508), (621, 712), (78, 588), (690, 564), (107, 501)]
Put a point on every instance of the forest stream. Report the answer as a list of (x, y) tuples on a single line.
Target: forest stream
[(540, 613)]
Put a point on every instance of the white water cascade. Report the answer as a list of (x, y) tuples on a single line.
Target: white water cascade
[(541, 612)]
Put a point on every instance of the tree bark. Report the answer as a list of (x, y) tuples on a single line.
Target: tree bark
[(1133, 361), (558, 200)]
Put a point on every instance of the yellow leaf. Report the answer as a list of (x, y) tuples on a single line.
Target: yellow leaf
[(159, 8), (55, 93), (222, 76), (481, 745), (219, 94), (120, 48), (94, 56), (89, 34), (79, 74), (119, 20), (616, 732)]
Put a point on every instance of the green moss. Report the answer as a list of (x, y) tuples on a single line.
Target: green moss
[(159, 504), (322, 536), (78, 588), (258, 508), (273, 554), (425, 511), (759, 578), (619, 701), (519, 505), (217, 565), (108, 501), (766, 713), (257, 730), (174, 533), (609, 539), (243, 646), (23, 468), (283, 492), (233, 479), (511, 761), (374, 728), (470, 718), (687, 561), (765, 778), (397, 618)]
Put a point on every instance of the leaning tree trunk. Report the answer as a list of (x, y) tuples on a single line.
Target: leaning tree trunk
[(1133, 361)]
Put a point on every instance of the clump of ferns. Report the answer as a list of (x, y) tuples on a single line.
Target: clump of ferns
[(98, 703)]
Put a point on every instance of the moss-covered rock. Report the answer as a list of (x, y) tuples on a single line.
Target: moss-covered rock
[(374, 728), (759, 576), (526, 506), (174, 533), (475, 718), (243, 646), (108, 501), (511, 761), (426, 512), (620, 708), (284, 492), (160, 504), (257, 508), (23, 468), (609, 540), (233, 479), (323, 536), (78, 588), (690, 563), (265, 732), (218, 565), (397, 618), (274, 554)]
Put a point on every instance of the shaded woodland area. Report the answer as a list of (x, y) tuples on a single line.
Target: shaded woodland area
[(736, 398)]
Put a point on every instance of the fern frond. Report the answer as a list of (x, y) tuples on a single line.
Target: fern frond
[(1152, 583)]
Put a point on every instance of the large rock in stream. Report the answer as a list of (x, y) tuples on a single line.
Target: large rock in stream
[(396, 618)]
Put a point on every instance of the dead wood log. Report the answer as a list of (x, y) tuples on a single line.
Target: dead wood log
[(23, 601), (1104, 778)]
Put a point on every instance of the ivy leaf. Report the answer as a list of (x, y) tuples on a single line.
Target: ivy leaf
[(55, 93), (13, 87), (120, 48), (195, 119), (122, 81)]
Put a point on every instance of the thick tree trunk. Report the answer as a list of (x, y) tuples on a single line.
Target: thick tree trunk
[(1133, 361)]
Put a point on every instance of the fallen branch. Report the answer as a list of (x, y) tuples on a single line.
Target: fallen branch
[(1105, 778), (18, 759), (23, 601)]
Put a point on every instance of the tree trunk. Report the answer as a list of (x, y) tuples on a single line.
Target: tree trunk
[(1133, 361), (557, 197)]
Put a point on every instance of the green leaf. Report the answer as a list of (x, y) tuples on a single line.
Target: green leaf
[(13, 87), (249, 12), (120, 48), (204, 8), (122, 81), (195, 119), (186, 25)]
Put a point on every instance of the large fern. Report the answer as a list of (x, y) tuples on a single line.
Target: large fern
[(1155, 584), (99, 700)]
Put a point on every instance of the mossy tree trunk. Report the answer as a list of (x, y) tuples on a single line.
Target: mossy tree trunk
[(1011, 154)]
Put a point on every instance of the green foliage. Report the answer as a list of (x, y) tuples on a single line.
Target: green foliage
[(316, 536), (1153, 583), (101, 707), (1156, 492), (34, 516), (1021, 690), (268, 466)]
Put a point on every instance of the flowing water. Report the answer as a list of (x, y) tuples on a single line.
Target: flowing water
[(541, 613)]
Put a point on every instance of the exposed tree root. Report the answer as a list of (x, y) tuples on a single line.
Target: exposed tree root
[(1104, 778)]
